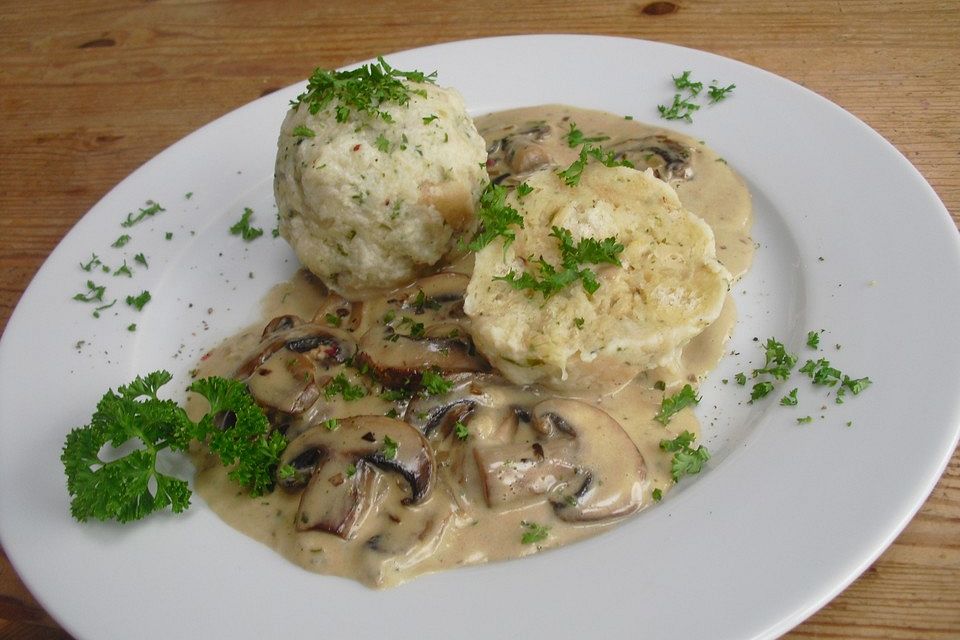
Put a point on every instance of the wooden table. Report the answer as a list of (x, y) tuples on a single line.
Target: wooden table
[(91, 90)]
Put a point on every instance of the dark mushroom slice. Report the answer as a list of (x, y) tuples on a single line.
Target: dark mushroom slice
[(669, 159), (339, 468), (398, 361), (581, 459), (325, 345)]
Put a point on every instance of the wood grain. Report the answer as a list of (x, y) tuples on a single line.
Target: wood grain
[(91, 90)]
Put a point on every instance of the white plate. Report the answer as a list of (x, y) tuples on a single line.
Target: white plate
[(784, 517)]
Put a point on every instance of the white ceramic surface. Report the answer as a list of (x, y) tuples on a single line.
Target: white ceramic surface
[(781, 520)]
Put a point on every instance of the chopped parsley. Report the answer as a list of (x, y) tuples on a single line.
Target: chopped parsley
[(523, 189), (680, 109), (151, 209), (761, 390), (533, 532), (683, 81), (382, 143), (141, 259), (303, 131), (341, 386), (94, 293), (789, 400), (389, 448), (434, 384), (243, 229), (718, 93), (813, 339), (685, 100), (461, 430), (575, 137), (91, 264), (552, 280), (496, 218), (331, 425), (333, 320), (741, 378), (657, 495), (686, 460), (671, 405), (779, 363), (571, 175), (121, 241), (805, 420), (123, 270), (364, 90), (140, 301)]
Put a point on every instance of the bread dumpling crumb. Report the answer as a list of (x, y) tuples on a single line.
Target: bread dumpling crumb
[(668, 288), (370, 202)]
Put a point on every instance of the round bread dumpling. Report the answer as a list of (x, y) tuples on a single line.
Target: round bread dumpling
[(666, 289), (371, 202)]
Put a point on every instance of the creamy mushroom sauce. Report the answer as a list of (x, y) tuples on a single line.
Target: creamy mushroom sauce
[(393, 535)]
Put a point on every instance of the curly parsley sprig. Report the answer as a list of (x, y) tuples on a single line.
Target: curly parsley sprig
[(131, 486)]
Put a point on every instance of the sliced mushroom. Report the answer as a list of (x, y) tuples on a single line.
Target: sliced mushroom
[(669, 159), (519, 152), (580, 459), (337, 311), (441, 293), (339, 466), (285, 382), (398, 360), (326, 345), (435, 416)]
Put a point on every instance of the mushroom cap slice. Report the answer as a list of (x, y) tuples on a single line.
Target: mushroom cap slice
[(326, 345), (440, 294), (285, 382), (397, 360), (612, 473), (582, 459), (338, 468)]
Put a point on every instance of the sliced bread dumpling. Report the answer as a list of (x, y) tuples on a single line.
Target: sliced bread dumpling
[(668, 286)]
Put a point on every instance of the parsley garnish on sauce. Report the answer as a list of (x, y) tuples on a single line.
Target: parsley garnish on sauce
[(671, 405), (575, 137), (686, 460), (571, 175), (364, 90), (434, 384), (340, 385), (533, 532), (389, 448)]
